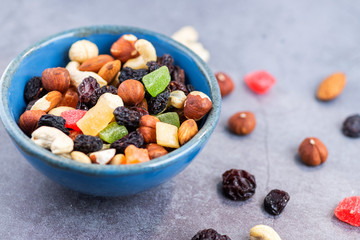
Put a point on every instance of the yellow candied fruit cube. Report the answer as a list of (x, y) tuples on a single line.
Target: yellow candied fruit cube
[(99, 116), (167, 135)]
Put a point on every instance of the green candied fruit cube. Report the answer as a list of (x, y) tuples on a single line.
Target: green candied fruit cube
[(170, 118), (113, 132), (156, 81)]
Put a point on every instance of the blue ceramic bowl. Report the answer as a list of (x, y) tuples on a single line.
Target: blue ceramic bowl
[(108, 180)]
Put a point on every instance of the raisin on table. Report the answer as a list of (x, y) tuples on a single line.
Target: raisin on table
[(127, 117), (133, 138), (210, 234), (158, 104), (87, 143), (34, 89), (275, 201), (351, 126), (53, 121), (238, 184)]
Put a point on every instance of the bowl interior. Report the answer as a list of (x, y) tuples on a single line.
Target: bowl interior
[(53, 52)]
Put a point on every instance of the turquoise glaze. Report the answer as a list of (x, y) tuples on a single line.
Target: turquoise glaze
[(90, 178)]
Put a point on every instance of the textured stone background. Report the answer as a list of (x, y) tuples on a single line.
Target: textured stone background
[(299, 42)]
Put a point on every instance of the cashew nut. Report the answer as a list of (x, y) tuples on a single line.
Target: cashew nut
[(77, 76), (263, 232), (189, 37), (83, 50), (53, 139), (147, 53)]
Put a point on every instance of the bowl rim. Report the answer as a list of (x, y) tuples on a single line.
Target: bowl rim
[(26, 145)]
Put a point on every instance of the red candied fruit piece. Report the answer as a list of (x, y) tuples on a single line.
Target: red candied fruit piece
[(348, 211), (259, 82), (72, 117)]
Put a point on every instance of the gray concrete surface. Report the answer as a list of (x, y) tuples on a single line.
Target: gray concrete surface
[(299, 42)]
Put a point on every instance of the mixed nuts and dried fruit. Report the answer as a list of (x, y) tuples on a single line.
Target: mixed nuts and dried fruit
[(125, 108)]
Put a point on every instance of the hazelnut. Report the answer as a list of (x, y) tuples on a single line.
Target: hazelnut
[(187, 131), (94, 64), (131, 92), (83, 50), (155, 150), (69, 99), (225, 82), (29, 119), (242, 123), (196, 105), (148, 128), (56, 79), (124, 48), (313, 152)]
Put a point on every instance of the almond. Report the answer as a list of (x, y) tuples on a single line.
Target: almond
[(94, 64), (47, 102), (331, 87), (187, 131), (110, 70), (124, 48)]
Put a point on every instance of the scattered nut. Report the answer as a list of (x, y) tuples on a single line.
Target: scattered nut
[(94, 64), (155, 150), (147, 53), (177, 99), (118, 159), (225, 82), (242, 123), (187, 131), (196, 105), (53, 139), (136, 155), (313, 152), (132, 92), (110, 70), (102, 157), (56, 79), (77, 76), (124, 48), (47, 102), (263, 232), (69, 99), (29, 119), (331, 87), (80, 157), (148, 128), (83, 50), (58, 110)]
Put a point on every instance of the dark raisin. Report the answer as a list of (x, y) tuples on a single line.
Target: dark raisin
[(351, 126), (134, 138), (86, 89), (158, 104), (82, 106), (178, 86), (100, 91), (275, 201), (87, 143), (166, 60), (53, 121), (30, 104), (238, 184), (127, 117), (129, 73), (142, 111), (34, 89), (190, 87), (152, 66), (178, 75), (210, 234)]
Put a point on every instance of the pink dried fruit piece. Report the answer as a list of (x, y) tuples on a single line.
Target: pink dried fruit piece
[(259, 82), (348, 210)]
